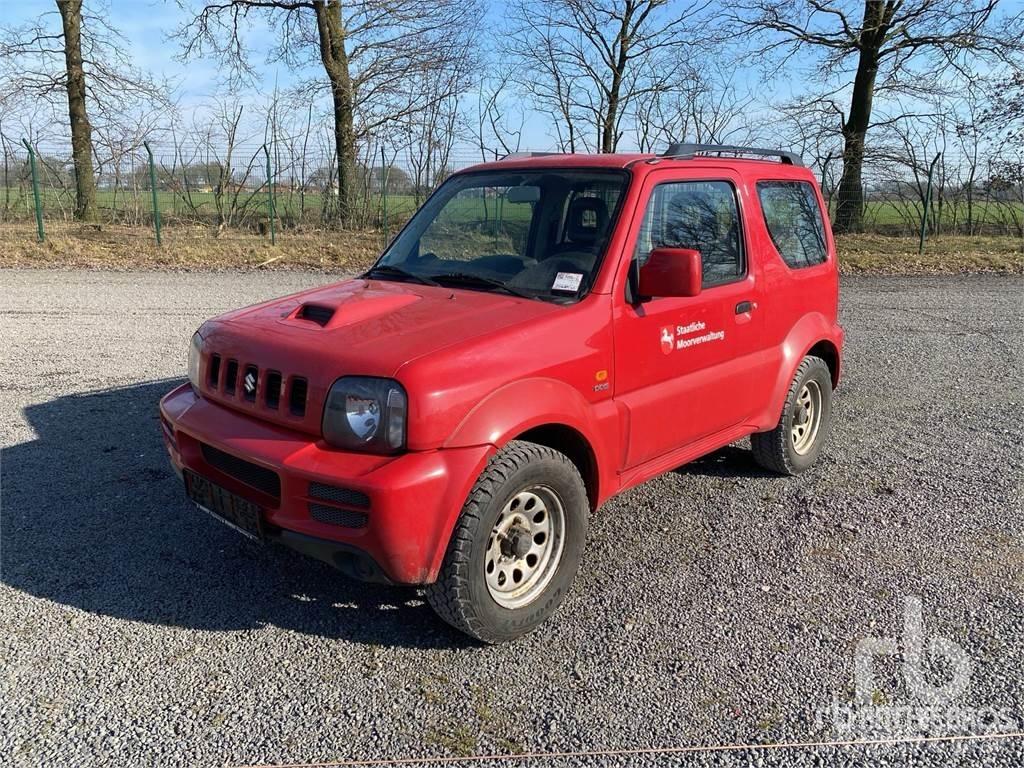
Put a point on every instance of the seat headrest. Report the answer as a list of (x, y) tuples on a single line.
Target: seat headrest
[(587, 219)]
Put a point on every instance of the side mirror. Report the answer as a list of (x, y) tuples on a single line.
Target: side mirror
[(671, 272)]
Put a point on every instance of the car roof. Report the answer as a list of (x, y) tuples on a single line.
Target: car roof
[(625, 160)]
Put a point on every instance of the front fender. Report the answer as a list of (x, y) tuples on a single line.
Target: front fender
[(519, 406), (503, 414), (501, 417)]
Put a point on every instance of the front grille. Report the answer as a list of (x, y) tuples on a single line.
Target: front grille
[(253, 475), (297, 398), (215, 371), (229, 377), (347, 497), (273, 395), (335, 516)]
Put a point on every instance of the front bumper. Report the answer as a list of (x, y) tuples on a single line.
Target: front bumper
[(411, 501)]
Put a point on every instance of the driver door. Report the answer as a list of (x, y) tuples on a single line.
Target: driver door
[(683, 365)]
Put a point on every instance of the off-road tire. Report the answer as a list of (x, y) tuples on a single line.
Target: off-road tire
[(774, 450), (460, 596)]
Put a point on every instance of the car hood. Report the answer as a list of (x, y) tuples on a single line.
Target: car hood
[(355, 327), (374, 327)]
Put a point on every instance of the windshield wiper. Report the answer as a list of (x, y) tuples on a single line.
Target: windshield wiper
[(465, 278), (393, 271)]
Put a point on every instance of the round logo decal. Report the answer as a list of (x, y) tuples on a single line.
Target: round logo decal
[(668, 340)]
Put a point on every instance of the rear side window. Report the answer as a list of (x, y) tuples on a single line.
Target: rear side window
[(794, 221), (701, 215)]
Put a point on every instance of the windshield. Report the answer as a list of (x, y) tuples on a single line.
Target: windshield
[(539, 234)]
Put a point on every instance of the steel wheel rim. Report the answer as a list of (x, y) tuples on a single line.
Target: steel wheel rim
[(524, 547), (806, 417)]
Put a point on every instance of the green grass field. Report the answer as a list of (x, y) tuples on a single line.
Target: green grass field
[(19, 204), (292, 207)]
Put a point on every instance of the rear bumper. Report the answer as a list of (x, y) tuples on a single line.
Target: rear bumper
[(407, 504)]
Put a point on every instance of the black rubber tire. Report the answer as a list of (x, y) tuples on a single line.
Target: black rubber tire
[(774, 450), (460, 595)]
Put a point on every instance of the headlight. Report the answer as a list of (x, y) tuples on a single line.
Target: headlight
[(195, 351), (365, 413)]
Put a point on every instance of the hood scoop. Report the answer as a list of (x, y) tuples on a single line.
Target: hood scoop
[(316, 313), (349, 308)]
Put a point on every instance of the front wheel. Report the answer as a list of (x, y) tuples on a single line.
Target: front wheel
[(796, 441), (516, 547)]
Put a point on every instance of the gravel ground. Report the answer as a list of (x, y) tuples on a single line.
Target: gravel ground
[(716, 605)]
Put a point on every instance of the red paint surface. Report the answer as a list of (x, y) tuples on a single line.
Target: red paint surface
[(480, 369)]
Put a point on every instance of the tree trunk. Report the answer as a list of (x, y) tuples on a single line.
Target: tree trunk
[(345, 145), (609, 134), (335, 61), (81, 130), (850, 205), (850, 192)]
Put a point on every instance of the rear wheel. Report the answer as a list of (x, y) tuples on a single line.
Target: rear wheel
[(797, 439), (516, 547)]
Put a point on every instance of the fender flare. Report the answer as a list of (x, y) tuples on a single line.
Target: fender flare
[(501, 417), (498, 418), (812, 329)]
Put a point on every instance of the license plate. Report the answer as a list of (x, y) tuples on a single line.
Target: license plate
[(242, 515)]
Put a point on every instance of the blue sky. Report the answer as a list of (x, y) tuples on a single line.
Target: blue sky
[(147, 23)]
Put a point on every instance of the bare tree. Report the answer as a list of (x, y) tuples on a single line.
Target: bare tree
[(432, 133), (371, 51), (1004, 118), (587, 63), (83, 61), (705, 105), (888, 46), (499, 120), (1005, 113), (810, 129)]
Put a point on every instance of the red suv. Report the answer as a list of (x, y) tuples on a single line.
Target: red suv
[(545, 332)]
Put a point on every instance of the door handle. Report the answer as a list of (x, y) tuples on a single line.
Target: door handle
[(743, 307)]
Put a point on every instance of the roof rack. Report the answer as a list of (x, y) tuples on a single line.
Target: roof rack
[(523, 155), (691, 150)]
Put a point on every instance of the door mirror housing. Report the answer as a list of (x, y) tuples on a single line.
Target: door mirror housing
[(671, 272)]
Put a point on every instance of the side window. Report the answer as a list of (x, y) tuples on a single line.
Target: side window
[(794, 221), (702, 215)]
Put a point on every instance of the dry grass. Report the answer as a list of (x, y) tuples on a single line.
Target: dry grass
[(125, 248), (186, 248), (947, 254)]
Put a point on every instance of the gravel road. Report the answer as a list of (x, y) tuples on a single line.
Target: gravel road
[(716, 605)]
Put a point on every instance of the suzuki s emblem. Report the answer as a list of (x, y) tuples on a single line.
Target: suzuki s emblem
[(250, 383)]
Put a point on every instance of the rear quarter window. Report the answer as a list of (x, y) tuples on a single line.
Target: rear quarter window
[(793, 218)]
